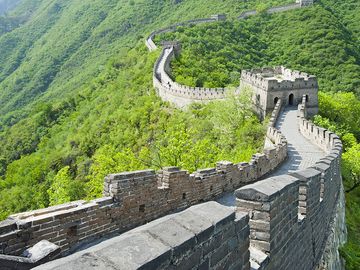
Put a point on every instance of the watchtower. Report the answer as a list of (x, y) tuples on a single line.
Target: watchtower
[(305, 2), (271, 84), (219, 17)]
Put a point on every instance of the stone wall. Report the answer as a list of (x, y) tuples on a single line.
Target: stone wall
[(41, 253), (306, 2), (150, 44), (134, 198), (277, 9), (206, 236), (292, 216), (180, 95), (291, 220)]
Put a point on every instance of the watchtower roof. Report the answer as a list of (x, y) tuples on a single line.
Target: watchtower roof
[(279, 73)]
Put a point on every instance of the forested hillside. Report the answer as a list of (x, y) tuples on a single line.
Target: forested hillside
[(7, 5), (77, 103)]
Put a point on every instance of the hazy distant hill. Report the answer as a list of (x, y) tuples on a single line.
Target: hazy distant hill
[(7, 5)]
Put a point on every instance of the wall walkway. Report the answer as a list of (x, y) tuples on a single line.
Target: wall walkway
[(293, 221), (302, 153)]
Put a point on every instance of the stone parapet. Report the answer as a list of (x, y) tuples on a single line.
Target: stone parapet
[(293, 79), (41, 253), (180, 95), (150, 44), (206, 236), (134, 198), (291, 216)]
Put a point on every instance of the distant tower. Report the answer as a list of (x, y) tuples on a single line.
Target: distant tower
[(305, 2), (271, 84)]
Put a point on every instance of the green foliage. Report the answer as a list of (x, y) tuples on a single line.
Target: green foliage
[(351, 164), (107, 159), (351, 250), (59, 189), (117, 124), (342, 110), (222, 50)]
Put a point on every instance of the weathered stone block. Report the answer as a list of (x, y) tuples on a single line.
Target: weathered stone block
[(266, 190), (198, 224), (174, 235)]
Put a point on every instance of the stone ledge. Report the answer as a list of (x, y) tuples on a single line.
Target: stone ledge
[(266, 190), (161, 242)]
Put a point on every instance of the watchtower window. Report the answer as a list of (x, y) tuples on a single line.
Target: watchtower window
[(291, 99)]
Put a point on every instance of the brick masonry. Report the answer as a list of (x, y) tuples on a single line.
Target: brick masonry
[(181, 95), (205, 236), (290, 216), (134, 198), (293, 215), (282, 222)]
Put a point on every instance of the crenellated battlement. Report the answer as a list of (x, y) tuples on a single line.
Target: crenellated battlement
[(281, 222), (134, 198), (291, 215), (274, 79), (181, 95), (176, 93), (279, 78)]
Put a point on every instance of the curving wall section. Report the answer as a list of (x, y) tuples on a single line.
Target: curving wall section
[(292, 216), (291, 221), (178, 94), (134, 198), (150, 44), (283, 222)]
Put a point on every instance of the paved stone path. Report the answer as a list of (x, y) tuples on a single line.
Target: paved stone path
[(161, 68), (301, 152)]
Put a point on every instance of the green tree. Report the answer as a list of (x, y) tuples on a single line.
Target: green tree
[(59, 191), (108, 160), (351, 167)]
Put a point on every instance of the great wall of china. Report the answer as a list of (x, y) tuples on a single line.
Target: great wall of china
[(286, 206)]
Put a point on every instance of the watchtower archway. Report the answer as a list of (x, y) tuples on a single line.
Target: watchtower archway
[(276, 100), (291, 99)]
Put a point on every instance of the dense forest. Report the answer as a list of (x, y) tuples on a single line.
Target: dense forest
[(77, 103)]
